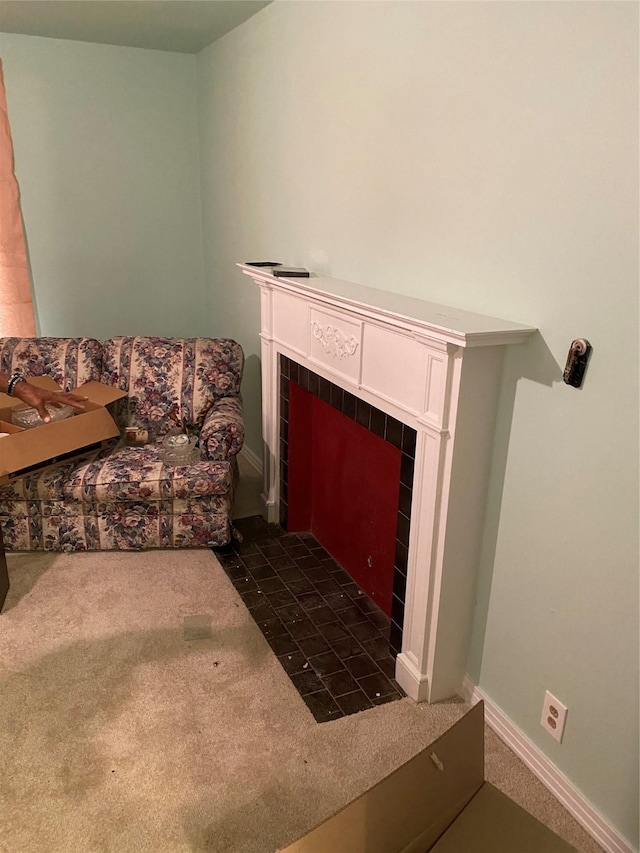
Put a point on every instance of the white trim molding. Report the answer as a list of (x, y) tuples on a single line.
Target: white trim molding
[(551, 777)]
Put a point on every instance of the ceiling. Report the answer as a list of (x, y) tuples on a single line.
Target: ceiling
[(184, 26)]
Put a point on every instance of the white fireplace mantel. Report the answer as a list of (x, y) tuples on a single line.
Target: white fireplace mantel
[(436, 369)]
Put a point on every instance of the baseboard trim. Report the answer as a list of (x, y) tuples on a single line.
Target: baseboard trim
[(252, 459), (410, 679), (547, 772)]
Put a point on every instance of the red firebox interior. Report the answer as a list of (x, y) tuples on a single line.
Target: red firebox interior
[(343, 486)]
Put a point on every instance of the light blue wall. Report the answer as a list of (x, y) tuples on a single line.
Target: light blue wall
[(482, 155), (106, 156)]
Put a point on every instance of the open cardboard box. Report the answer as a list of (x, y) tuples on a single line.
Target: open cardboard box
[(437, 801), (26, 450)]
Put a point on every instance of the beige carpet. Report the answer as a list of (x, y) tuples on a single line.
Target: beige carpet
[(119, 734)]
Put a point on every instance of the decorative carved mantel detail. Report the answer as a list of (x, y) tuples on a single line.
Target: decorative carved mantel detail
[(439, 371), (334, 340)]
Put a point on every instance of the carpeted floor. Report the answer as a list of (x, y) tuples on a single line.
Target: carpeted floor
[(142, 710)]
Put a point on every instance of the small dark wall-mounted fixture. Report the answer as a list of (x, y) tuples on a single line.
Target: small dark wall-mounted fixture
[(579, 353)]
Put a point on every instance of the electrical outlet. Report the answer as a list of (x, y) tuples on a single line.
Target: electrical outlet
[(554, 716)]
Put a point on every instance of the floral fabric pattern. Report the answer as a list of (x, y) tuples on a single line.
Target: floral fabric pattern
[(132, 474), (117, 531), (222, 433), (124, 497), (70, 361), (44, 486), (180, 375)]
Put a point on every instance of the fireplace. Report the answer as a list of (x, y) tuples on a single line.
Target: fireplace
[(361, 511), (430, 376)]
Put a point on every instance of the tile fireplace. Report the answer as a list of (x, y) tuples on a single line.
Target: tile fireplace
[(431, 376), (364, 516)]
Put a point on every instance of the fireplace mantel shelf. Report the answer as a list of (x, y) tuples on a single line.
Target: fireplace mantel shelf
[(465, 328), (437, 370)]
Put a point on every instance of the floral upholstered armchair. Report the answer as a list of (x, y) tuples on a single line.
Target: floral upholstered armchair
[(126, 497)]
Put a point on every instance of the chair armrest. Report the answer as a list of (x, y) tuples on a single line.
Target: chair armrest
[(222, 432)]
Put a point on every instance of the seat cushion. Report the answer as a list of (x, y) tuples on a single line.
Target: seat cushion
[(130, 474), (47, 485)]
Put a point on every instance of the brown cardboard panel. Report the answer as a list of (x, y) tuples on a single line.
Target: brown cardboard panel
[(100, 393), (32, 447), (493, 823), (438, 801), (6, 426), (28, 449), (97, 392), (407, 811), (5, 416)]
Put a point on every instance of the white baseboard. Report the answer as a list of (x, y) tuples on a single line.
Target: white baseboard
[(562, 789), (411, 680), (252, 459)]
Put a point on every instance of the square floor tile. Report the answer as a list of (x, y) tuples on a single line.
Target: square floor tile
[(293, 662), (378, 648), (323, 706), (322, 615), (376, 685), (311, 601), (272, 628), (252, 561), (280, 598), (297, 550), (351, 615), (270, 585), (327, 663), (301, 628), (351, 703), (315, 645), (254, 597), (271, 548), (283, 645), (361, 665), (261, 573), (300, 587), (263, 610), (306, 682), (337, 600), (291, 612), (339, 683), (347, 647), (333, 631), (309, 563), (328, 587), (364, 631), (282, 562)]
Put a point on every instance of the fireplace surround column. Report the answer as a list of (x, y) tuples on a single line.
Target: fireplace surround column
[(436, 369)]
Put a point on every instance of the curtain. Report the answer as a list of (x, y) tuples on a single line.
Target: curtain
[(16, 306)]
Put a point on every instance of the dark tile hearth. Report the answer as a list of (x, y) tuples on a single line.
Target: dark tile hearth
[(330, 638)]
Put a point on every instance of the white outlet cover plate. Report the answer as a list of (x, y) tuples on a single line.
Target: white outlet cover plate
[(554, 716)]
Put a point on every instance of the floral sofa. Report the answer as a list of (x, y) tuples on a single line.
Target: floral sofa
[(124, 497)]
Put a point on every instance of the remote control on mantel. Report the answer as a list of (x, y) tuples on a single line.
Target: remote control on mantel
[(291, 272)]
